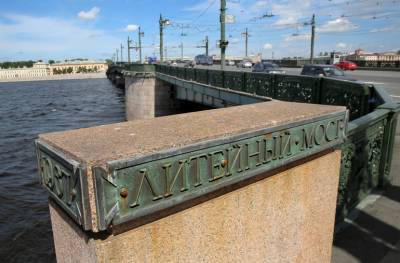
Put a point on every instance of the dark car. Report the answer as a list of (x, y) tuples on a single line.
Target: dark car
[(329, 71), (203, 60), (267, 67)]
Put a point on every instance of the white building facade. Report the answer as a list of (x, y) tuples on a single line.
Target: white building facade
[(41, 70), (38, 70)]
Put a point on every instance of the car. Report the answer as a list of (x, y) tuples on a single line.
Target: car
[(244, 64), (230, 63), (267, 67), (174, 64), (322, 70), (203, 60), (189, 64), (347, 65)]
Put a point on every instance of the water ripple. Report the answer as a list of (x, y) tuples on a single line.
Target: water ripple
[(26, 110)]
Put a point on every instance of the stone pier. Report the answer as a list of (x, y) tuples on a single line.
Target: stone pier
[(148, 97), (252, 183)]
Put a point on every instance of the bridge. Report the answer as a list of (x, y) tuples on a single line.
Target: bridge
[(237, 177), (368, 149)]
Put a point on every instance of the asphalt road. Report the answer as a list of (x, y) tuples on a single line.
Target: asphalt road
[(389, 79)]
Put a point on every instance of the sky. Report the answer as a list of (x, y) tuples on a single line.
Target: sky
[(94, 29)]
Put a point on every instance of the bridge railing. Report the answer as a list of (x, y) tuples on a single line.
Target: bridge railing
[(354, 95), (368, 149)]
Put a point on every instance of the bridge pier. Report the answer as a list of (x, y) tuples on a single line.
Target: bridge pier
[(148, 97), (248, 183)]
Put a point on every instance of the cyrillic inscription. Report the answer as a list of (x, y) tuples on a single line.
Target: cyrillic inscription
[(63, 182), (178, 176)]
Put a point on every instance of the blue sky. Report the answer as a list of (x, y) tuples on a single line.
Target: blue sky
[(61, 29)]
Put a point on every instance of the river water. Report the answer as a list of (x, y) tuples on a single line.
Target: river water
[(26, 110)]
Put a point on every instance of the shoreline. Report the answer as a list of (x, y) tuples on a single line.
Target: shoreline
[(98, 75)]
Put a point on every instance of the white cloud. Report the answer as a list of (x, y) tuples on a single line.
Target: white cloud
[(337, 25), (341, 45), (267, 46), (89, 15), (130, 28), (260, 4), (202, 5), (289, 13), (234, 40), (52, 37), (297, 37), (382, 29)]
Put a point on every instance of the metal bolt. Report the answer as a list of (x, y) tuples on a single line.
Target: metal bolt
[(73, 194), (224, 163), (124, 192)]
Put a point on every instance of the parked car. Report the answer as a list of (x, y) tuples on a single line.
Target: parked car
[(203, 60), (189, 64), (174, 64), (267, 67), (230, 63), (330, 71), (244, 64), (346, 65)]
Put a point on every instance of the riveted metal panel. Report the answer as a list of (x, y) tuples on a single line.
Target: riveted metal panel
[(137, 187), (65, 181)]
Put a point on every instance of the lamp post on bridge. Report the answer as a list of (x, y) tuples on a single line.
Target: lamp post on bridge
[(140, 35), (136, 47), (163, 23), (122, 47), (205, 45), (117, 54), (129, 49), (246, 35), (222, 42)]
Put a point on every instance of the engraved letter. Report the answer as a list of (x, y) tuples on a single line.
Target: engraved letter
[(182, 170), (143, 173)]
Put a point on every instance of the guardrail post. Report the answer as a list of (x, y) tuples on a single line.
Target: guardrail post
[(223, 79), (388, 142)]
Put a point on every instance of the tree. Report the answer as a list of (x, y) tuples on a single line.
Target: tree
[(51, 61), (69, 70)]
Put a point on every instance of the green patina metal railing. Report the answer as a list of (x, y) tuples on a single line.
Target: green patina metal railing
[(368, 149)]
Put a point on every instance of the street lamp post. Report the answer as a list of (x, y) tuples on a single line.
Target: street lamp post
[(163, 23), (140, 35), (223, 43), (129, 49)]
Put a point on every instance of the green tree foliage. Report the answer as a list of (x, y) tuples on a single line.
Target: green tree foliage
[(51, 61), (17, 64), (82, 69), (69, 70)]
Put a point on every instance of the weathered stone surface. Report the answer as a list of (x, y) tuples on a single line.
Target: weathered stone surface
[(97, 145), (287, 217)]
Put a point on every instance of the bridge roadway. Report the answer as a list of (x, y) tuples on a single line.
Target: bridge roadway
[(390, 79)]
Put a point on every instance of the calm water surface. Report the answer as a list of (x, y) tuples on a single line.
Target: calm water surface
[(27, 109)]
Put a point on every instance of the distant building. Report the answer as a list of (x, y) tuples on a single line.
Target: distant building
[(359, 54), (78, 66), (38, 70)]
